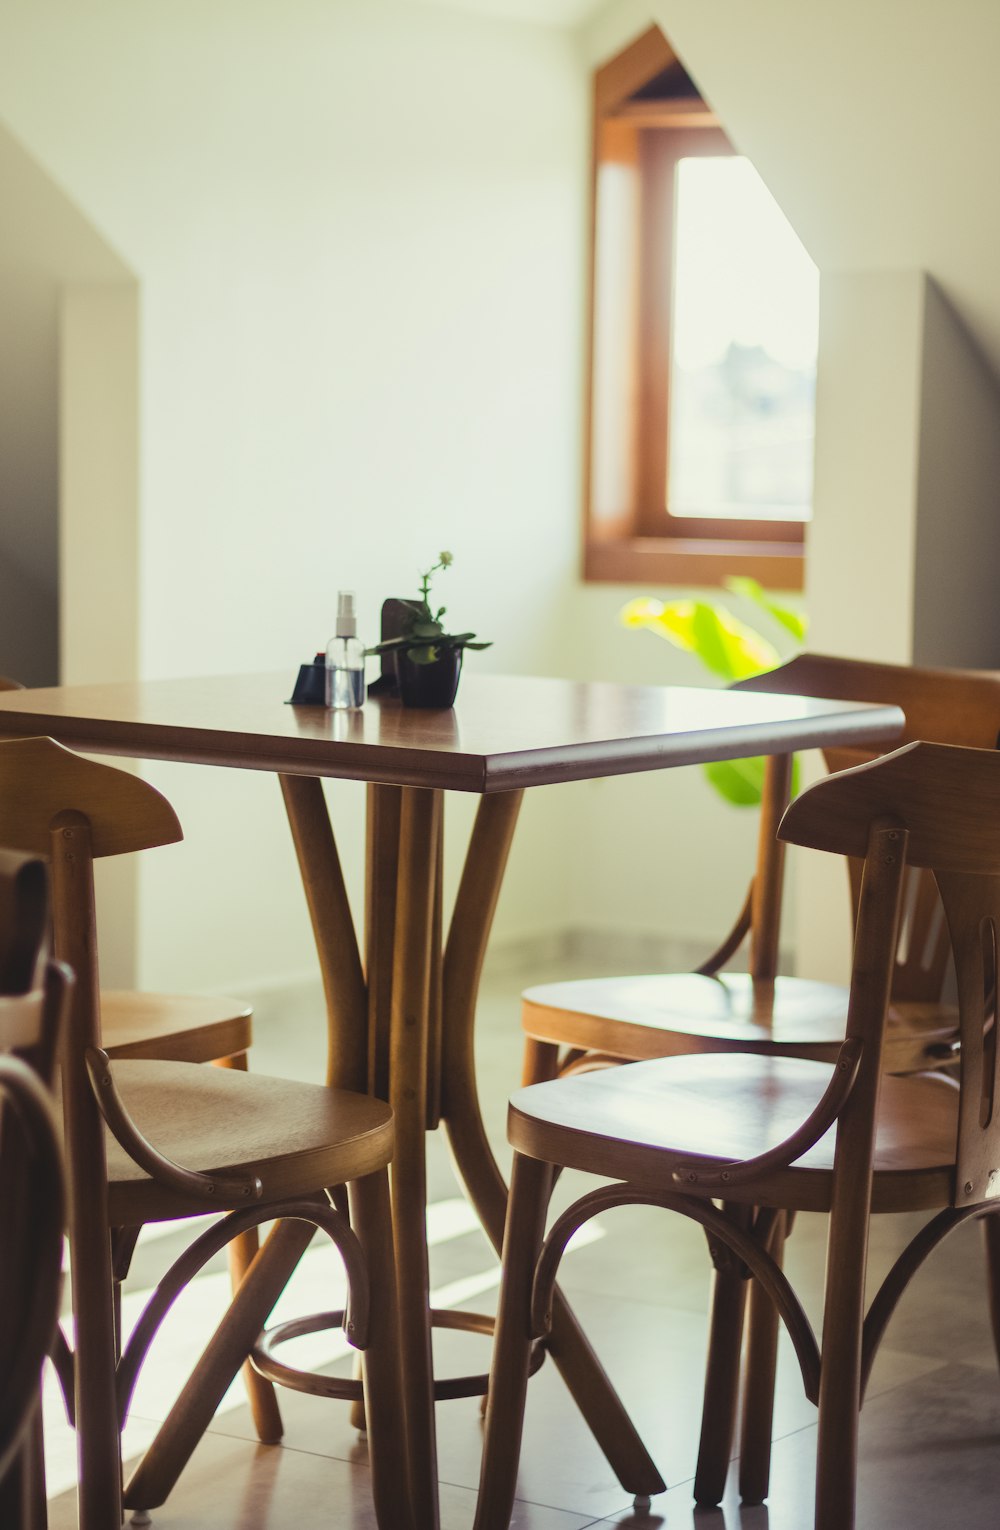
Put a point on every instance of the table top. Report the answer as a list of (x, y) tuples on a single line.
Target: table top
[(503, 733)]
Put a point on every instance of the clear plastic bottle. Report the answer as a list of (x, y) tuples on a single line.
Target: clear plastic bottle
[(345, 659)]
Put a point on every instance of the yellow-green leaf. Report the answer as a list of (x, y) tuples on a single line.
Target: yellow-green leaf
[(725, 645), (739, 781), (793, 621)]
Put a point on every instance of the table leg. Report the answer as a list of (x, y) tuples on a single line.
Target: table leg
[(333, 928), (408, 1052), (385, 805), (470, 926), (413, 1067)]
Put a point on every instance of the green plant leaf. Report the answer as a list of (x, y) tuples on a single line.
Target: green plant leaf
[(739, 781), (728, 646), (724, 644), (793, 621)]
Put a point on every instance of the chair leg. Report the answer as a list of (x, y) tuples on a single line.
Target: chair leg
[(385, 1403), (540, 1061), (260, 1392), (22, 1487), (530, 1188), (722, 1373), (98, 1440), (13, 1510), (840, 1379), (33, 1465), (758, 1382)]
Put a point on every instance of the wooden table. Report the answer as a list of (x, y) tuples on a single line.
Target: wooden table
[(401, 1018)]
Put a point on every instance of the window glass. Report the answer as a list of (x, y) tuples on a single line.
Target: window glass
[(743, 341)]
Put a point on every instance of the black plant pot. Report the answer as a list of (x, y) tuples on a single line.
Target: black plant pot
[(429, 685)]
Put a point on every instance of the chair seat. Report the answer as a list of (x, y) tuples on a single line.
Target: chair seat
[(668, 1015), (630, 1122), (175, 1027), (297, 1138)]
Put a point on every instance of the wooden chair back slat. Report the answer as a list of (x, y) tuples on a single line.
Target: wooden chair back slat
[(924, 951), (39, 778)]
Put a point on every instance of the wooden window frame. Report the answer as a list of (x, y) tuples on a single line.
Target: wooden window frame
[(632, 537)]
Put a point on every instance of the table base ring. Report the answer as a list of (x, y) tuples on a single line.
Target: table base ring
[(265, 1362)]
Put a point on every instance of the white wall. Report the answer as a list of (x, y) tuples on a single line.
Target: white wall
[(861, 549), (356, 230)]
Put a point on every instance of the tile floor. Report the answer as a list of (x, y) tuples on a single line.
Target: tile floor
[(930, 1452)]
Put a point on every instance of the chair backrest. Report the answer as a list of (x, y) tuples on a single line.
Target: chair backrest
[(31, 1180), (937, 807), (945, 706), (39, 780), (72, 810)]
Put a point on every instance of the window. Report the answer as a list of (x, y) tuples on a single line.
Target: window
[(702, 347)]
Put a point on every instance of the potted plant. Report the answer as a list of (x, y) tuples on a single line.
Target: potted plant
[(428, 659)]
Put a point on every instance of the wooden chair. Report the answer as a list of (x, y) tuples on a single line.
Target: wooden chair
[(190, 1028), (786, 1133), (154, 1140), (633, 1018), (174, 1027), (581, 1024), (31, 1183)]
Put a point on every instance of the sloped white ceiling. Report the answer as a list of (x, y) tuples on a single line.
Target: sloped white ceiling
[(875, 125)]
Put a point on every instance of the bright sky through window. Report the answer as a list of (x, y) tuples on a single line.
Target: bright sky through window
[(744, 331)]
